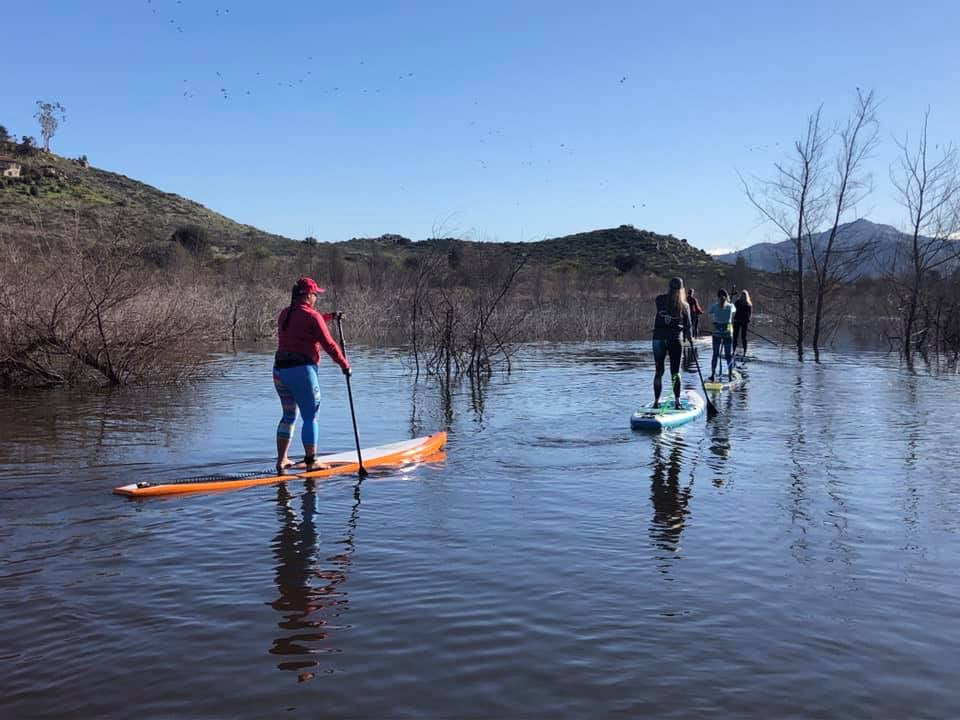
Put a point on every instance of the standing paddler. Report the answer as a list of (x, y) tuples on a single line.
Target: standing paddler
[(671, 323), (301, 334), (722, 311)]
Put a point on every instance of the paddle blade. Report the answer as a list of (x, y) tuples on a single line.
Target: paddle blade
[(711, 409)]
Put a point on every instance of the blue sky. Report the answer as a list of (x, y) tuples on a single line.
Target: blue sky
[(501, 120)]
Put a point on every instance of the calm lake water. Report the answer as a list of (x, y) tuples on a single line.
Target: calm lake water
[(797, 556)]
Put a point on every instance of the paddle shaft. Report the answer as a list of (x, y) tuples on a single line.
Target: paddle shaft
[(353, 415), (762, 337), (711, 408)]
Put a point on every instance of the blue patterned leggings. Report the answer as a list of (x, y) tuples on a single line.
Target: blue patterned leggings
[(727, 352), (298, 387)]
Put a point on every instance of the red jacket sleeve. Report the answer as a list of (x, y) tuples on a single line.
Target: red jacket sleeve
[(329, 344)]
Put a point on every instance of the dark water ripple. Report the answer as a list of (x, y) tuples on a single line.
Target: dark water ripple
[(794, 557)]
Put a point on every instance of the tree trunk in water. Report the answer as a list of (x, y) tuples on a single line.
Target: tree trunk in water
[(800, 295), (413, 335), (818, 319), (914, 292), (909, 324)]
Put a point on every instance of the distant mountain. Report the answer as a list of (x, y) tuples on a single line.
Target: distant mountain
[(887, 244)]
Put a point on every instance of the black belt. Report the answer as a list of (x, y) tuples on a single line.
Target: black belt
[(285, 359)]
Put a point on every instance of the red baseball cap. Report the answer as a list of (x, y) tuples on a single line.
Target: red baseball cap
[(307, 285)]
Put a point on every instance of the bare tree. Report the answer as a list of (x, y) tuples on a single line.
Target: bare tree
[(836, 261), (77, 309), (469, 329), (422, 272), (49, 115), (929, 191), (795, 203)]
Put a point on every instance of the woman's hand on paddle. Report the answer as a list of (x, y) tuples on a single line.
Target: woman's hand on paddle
[(338, 315), (347, 371)]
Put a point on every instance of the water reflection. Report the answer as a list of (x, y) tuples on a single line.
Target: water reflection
[(97, 423), (910, 421), (719, 435), (420, 401), (669, 499), (913, 431), (834, 466), (796, 442), (719, 426), (310, 597), (617, 359), (446, 391), (478, 392)]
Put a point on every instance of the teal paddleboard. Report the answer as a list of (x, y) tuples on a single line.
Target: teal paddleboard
[(667, 416)]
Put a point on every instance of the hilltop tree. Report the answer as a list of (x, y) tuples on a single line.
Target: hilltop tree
[(4, 135), (49, 115), (308, 252)]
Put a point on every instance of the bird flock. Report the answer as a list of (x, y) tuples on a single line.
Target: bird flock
[(247, 84), (228, 85)]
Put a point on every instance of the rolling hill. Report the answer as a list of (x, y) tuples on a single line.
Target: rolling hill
[(53, 191)]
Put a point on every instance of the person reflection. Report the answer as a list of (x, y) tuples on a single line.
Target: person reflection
[(669, 499), (720, 439), (309, 596)]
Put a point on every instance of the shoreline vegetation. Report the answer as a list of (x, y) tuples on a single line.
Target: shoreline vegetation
[(80, 307), (108, 281)]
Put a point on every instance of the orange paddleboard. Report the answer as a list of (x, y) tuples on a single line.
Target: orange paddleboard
[(390, 455)]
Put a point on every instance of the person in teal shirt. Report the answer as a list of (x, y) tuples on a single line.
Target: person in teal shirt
[(722, 311)]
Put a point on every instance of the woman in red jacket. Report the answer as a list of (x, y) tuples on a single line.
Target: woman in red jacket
[(302, 333), (695, 312)]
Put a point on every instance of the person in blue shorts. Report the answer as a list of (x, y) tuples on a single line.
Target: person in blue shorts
[(723, 312), (672, 322)]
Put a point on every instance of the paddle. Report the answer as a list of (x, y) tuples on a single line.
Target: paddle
[(711, 409), (356, 435)]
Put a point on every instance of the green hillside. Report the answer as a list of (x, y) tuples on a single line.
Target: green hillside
[(54, 190)]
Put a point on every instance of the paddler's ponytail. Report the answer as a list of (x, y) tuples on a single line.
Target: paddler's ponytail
[(293, 303)]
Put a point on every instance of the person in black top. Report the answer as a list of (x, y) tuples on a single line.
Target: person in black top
[(741, 319), (695, 312), (672, 321)]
